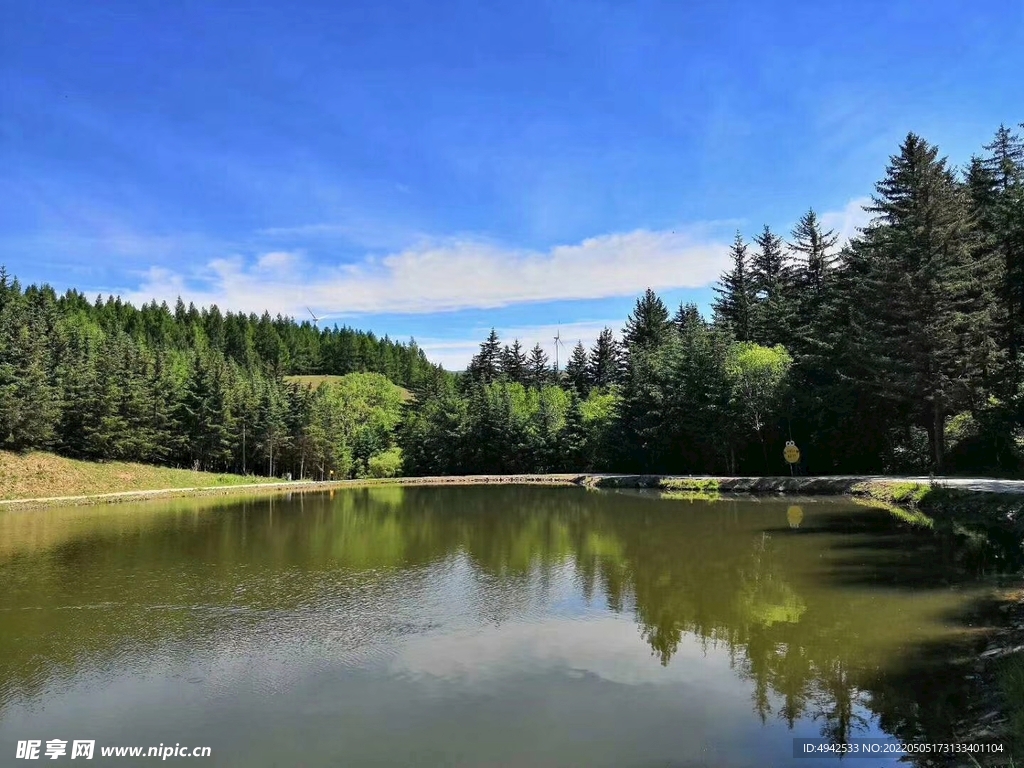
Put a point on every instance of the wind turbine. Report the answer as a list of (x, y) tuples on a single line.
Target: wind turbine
[(315, 318), (558, 340)]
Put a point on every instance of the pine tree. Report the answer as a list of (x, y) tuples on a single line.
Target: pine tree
[(932, 295), (814, 248), (816, 262), (513, 363), (643, 414), (136, 405), (648, 326), (686, 317), (576, 373), (77, 382), (28, 401), (203, 415), (605, 362), (700, 420), (271, 429), (547, 423), (735, 302), (573, 441), (538, 372), (1000, 208), (163, 385), (772, 283), (486, 364)]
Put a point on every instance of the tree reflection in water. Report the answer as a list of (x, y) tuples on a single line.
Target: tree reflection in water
[(820, 605)]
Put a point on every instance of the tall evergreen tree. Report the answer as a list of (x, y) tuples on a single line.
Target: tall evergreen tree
[(538, 372), (203, 415), (576, 373), (932, 294), (271, 427), (772, 283), (486, 364), (816, 262), (28, 401), (513, 363), (573, 443), (686, 317), (648, 326), (605, 362), (814, 249), (735, 303), (1000, 207), (643, 441)]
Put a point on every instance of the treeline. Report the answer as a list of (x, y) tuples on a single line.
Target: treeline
[(899, 352), (107, 380)]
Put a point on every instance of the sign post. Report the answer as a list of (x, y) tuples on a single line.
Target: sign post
[(791, 454)]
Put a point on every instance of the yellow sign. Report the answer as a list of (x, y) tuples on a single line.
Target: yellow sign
[(791, 453), (795, 516)]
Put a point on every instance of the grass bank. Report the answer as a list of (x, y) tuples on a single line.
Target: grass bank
[(43, 475)]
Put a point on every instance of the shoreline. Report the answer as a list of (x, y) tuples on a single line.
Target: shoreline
[(882, 489)]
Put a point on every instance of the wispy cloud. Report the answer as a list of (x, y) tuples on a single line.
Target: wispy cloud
[(352, 228), (463, 273), (848, 221), (452, 274), (277, 262)]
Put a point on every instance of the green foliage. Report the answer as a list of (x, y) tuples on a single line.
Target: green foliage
[(195, 389), (599, 412), (706, 485), (29, 402), (576, 374), (386, 463), (735, 303), (758, 376), (909, 492), (772, 284), (489, 363), (648, 326), (932, 291), (538, 373), (513, 363), (690, 490), (605, 361), (901, 352)]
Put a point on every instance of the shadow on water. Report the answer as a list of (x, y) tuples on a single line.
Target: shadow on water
[(939, 691), (835, 613)]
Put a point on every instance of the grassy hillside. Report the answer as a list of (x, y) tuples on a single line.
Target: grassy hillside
[(314, 381), (35, 475)]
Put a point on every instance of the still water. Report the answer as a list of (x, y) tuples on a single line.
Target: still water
[(470, 626)]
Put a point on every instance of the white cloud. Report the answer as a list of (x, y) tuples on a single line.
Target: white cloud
[(609, 647), (446, 275), (277, 261), (439, 275), (847, 221)]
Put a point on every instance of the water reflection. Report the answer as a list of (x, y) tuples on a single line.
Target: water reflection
[(809, 611)]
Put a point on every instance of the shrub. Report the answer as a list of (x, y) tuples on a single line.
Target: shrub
[(386, 463)]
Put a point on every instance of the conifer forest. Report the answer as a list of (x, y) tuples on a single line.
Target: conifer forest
[(900, 351)]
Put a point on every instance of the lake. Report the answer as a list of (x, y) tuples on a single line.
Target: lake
[(476, 626)]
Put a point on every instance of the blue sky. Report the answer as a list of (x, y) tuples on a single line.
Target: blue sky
[(432, 169)]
